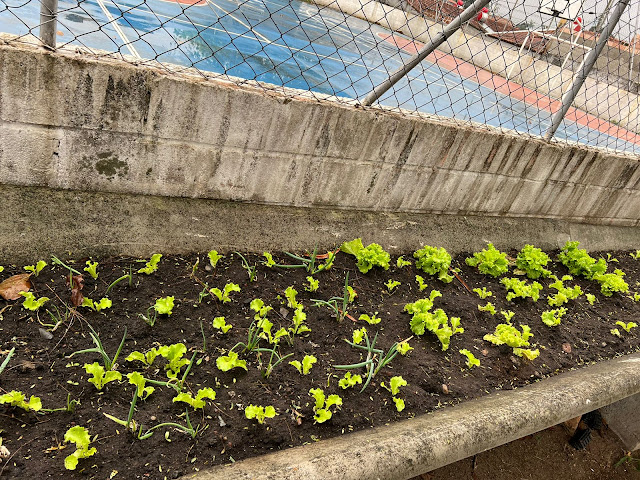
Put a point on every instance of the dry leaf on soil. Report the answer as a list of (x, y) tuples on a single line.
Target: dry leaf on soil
[(10, 289)]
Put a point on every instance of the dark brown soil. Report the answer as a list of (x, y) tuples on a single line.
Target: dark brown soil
[(42, 366)]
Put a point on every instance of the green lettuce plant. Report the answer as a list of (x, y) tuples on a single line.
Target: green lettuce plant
[(627, 326), (100, 376), (219, 323), (259, 413), (552, 318), (436, 322), (483, 293), (489, 308), (472, 361), (313, 284), (269, 261), (223, 295), (490, 261), (229, 361), (305, 367), (31, 302), (564, 293), (401, 262), (434, 261), (80, 437), (371, 320), (35, 269), (92, 269), (507, 334), (532, 261), (367, 257), (214, 258), (164, 305), (146, 358), (152, 265), (103, 304), (199, 400), (612, 282), (520, 289), (349, 380), (394, 387), (322, 405), (391, 284), (15, 398), (579, 262), (420, 282)]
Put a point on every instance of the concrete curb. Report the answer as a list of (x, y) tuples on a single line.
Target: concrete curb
[(412, 447)]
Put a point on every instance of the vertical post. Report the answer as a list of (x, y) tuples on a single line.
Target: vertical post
[(585, 68), (48, 22), (438, 40)]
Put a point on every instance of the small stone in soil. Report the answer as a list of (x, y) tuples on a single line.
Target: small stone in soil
[(445, 389), (566, 347), (45, 334)]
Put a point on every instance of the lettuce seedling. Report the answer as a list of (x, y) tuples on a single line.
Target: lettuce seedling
[(35, 269), (590, 298), (532, 260), (489, 261), (152, 265), (472, 361), (17, 399), (435, 322), (358, 335), (616, 332), (30, 301), (103, 304), (259, 412), (199, 400), (322, 406), (564, 294), (421, 284), (520, 289), (146, 358), (489, 307), (611, 282), (313, 284), (174, 355), (627, 326), (164, 305), (298, 326), (80, 437), (404, 347), (371, 320), (402, 262), (635, 256), (579, 262), (349, 381), (100, 376), (305, 367), (142, 391), (434, 261), (391, 284), (290, 294), (394, 387), (269, 262), (483, 293), (226, 363), (552, 318), (214, 258), (223, 295), (258, 306), (367, 257), (507, 334), (220, 324), (92, 269)]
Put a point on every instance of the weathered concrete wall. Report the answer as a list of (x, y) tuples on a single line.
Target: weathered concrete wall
[(72, 123), (597, 98)]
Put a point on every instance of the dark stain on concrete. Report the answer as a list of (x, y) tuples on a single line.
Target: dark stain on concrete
[(109, 165)]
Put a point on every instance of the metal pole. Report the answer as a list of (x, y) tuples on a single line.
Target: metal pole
[(633, 53), (48, 22), (585, 68), (438, 40)]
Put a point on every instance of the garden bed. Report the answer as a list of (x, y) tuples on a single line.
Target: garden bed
[(41, 364)]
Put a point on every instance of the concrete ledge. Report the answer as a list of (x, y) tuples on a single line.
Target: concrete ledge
[(39, 221), (622, 418), (412, 447)]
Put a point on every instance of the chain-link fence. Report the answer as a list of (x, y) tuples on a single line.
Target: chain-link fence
[(567, 70)]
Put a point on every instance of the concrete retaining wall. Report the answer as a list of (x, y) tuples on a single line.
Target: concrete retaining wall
[(86, 138)]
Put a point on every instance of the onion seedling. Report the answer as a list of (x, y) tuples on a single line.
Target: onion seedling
[(109, 363)]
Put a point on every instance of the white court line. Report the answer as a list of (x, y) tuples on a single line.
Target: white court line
[(119, 31), (258, 34)]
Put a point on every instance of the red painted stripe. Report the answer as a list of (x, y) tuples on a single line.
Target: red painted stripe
[(511, 89)]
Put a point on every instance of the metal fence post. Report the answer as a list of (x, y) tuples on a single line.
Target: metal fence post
[(589, 62), (48, 22), (438, 40)]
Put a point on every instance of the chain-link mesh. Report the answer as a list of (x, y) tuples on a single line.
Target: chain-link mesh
[(508, 67)]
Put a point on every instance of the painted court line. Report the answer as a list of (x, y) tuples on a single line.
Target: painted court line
[(519, 92), (120, 32)]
